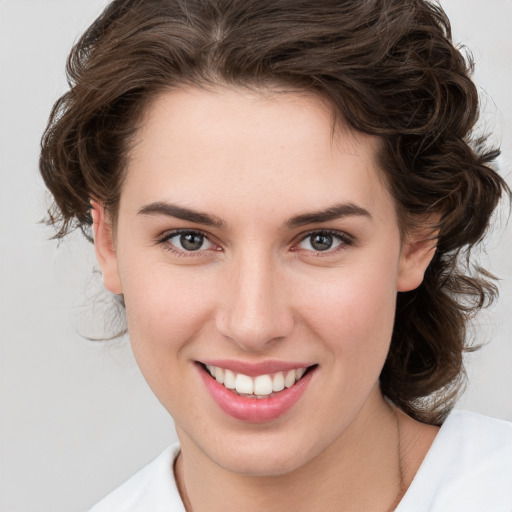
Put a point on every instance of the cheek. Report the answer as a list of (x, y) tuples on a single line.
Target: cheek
[(166, 313), (165, 310), (354, 313)]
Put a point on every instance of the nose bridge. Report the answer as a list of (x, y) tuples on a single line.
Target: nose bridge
[(255, 311)]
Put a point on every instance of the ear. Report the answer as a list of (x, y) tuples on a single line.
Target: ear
[(105, 248), (416, 255)]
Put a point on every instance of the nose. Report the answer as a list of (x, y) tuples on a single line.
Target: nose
[(255, 311)]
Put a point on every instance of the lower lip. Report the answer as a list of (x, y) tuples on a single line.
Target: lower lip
[(255, 410)]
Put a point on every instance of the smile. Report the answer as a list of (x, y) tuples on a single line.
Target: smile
[(269, 391), (260, 386)]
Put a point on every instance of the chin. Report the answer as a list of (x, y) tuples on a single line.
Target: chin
[(262, 464), (260, 456)]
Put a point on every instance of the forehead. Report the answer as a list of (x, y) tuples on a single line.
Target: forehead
[(224, 145)]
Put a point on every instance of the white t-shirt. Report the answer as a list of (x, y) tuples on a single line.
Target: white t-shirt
[(467, 469)]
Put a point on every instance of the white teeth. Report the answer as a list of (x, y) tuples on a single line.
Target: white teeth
[(289, 380), (278, 382), (219, 375), (244, 384), (260, 386), (263, 385), (229, 379)]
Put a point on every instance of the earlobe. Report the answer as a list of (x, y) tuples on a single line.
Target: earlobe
[(415, 258), (105, 248)]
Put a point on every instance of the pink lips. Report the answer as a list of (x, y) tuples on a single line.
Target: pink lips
[(256, 410)]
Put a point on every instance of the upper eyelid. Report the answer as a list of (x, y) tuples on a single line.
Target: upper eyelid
[(346, 241), (166, 235), (163, 242), (173, 232), (343, 235), (335, 232)]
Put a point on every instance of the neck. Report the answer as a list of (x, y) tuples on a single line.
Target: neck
[(361, 470)]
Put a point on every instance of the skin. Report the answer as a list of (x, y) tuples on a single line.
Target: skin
[(258, 290)]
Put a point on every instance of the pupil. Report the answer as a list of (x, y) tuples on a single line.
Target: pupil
[(321, 242), (191, 241)]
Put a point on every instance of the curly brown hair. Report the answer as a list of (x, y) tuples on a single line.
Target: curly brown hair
[(387, 67)]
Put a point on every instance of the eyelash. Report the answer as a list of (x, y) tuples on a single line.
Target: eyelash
[(344, 239), (182, 253)]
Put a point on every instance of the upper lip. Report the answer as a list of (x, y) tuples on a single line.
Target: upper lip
[(253, 369)]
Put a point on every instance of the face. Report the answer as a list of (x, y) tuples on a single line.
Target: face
[(254, 244)]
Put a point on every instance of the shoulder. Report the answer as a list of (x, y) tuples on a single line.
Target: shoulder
[(152, 488), (477, 444), (476, 435), (468, 468)]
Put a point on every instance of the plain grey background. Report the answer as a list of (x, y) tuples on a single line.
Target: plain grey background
[(77, 417)]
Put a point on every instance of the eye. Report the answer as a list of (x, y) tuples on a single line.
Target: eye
[(188, 241), (323, 241)]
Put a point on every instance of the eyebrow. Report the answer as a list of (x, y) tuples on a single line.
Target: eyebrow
[(334, 212), (179, 212)]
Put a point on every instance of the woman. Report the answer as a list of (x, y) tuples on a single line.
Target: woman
[(280, 193)]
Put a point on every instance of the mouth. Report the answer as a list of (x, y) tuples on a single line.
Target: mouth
[(259, 397), (259, 386)]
